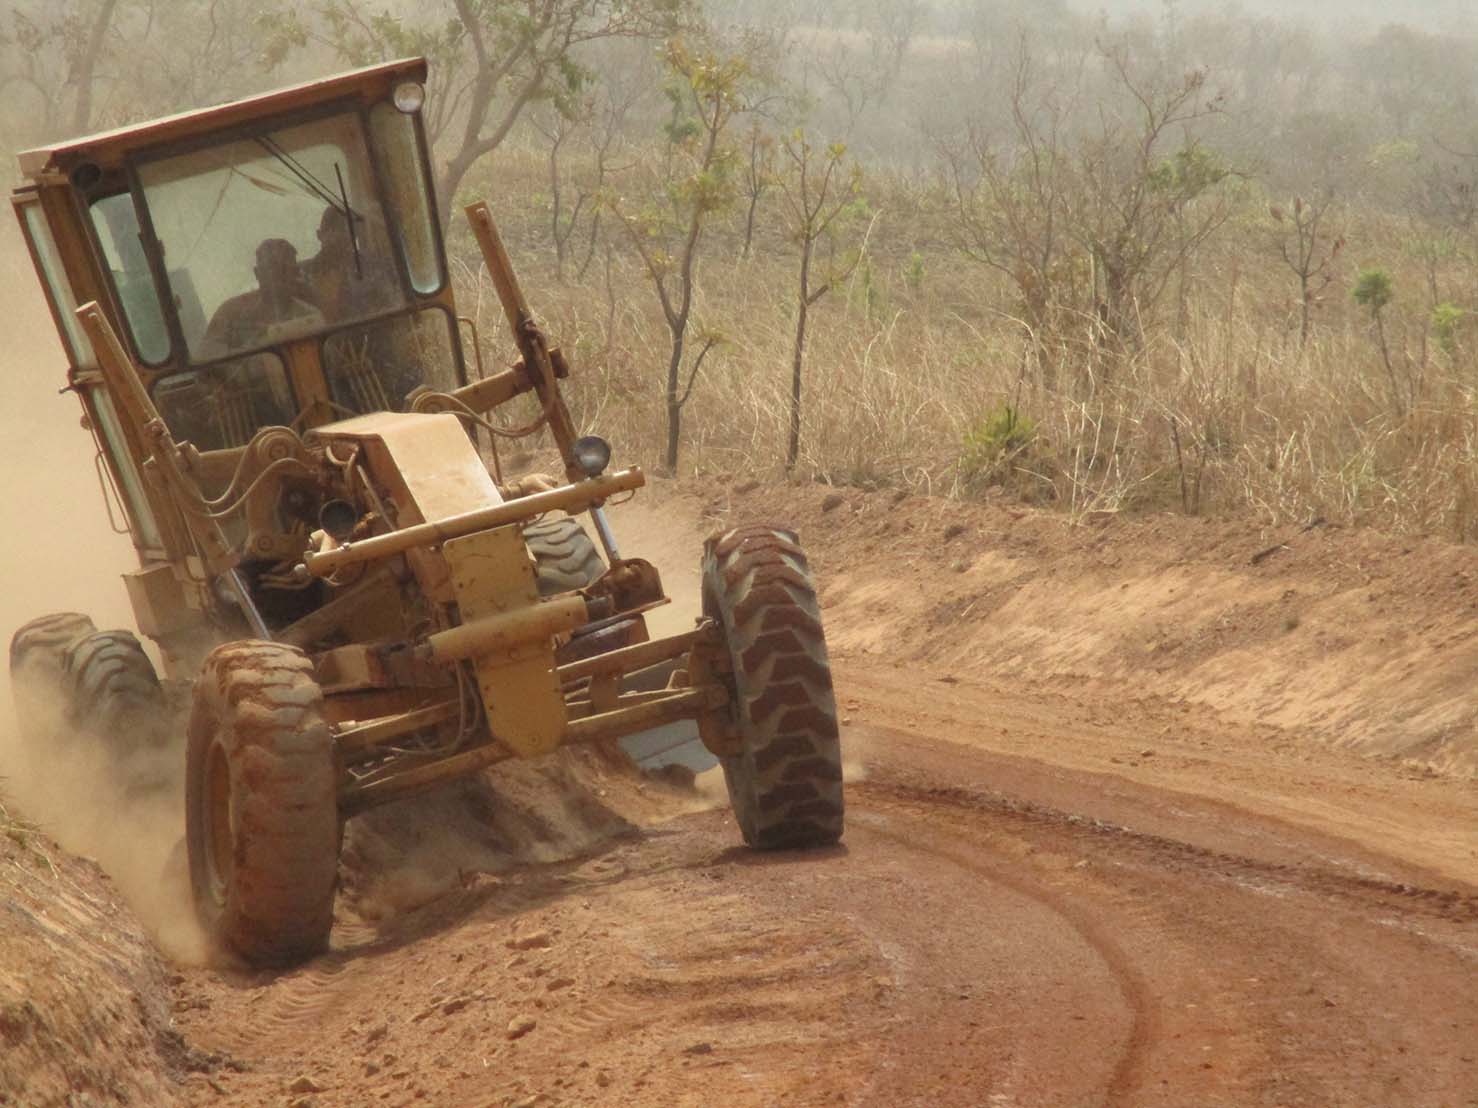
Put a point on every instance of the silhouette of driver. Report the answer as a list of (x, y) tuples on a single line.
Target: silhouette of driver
[(276, 310), (343, 282)]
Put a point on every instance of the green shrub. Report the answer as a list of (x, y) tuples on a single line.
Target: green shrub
[(995, 442), (1446, 318), (1373, 290)]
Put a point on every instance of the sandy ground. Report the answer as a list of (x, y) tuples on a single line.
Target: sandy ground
[(1140, 813)]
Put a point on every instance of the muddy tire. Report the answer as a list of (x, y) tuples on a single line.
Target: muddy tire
[(261, 808), (37, 661), (785, 785), (564, 557), (112, 692)]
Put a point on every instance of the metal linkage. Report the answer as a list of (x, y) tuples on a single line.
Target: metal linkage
[(574, 497)]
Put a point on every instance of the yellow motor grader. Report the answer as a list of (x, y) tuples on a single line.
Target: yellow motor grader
[(256, 306)]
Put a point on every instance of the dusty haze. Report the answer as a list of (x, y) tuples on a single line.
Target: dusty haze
[(59, 553), (58, 549)]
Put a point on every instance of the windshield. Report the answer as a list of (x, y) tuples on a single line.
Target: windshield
[(272, 238)]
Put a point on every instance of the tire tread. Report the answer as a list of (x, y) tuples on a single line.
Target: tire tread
[(786, 784), (564, 557), (261, 702)]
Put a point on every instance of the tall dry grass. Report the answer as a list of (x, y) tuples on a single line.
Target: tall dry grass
[(1219, 410)]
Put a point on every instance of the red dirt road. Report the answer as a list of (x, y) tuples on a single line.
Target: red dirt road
[(1002, 927)]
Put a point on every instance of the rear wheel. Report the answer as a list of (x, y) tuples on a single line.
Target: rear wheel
[(112, 691), (564, 557), (37, 653), (785, 784), (261, 810)]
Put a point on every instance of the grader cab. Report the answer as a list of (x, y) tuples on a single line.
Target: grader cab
[(256, 306)]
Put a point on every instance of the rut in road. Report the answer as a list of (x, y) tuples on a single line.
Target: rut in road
[(1241, 980), (1372, 893)]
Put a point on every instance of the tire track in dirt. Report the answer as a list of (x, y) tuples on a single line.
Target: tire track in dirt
[(1271, 971), (288, 1002), (1125, 1074), (962, 947), (1451, 905)]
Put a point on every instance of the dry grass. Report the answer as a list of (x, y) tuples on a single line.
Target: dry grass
[(1220, 412), (27, 839)]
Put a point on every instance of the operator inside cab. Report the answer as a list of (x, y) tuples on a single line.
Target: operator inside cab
[(346, 280), (279, 309), (331, 274)]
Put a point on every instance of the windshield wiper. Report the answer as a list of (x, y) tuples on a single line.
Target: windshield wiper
[(304, 175), (349, 223)]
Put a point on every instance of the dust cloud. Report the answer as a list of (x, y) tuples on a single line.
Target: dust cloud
[(120, 805), (59, 553)]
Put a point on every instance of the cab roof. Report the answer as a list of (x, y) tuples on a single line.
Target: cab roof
[(108, 149)]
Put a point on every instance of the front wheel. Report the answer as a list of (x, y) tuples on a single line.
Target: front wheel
[(261, 810), (785, 784)]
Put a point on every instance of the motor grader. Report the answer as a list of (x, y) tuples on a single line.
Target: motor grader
[(255, 302)]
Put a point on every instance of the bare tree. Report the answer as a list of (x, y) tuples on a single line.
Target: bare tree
[(1147, 190), (894, 25), (819, 190), (493, 58), (55, 52), (1308, 249), (83, 64), (557, 129), (601, 123), (758, 177), (1014, 203), (857, 81)]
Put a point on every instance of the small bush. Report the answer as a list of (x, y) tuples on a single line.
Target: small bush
[(1446, 319), (994, 444), (1373, 289)]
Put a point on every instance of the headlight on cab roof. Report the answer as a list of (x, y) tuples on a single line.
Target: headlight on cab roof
[(409, 96)]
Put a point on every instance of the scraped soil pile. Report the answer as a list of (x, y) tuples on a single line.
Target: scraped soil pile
[(408, 854), (1344, 637), (84, 1007)]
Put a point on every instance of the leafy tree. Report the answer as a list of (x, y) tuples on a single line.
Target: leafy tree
[(1447, 319), (708, 88), (1373, 291)]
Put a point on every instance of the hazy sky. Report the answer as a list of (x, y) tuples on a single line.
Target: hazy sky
[(1433, 15)]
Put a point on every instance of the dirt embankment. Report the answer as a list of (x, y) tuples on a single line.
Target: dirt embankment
[(1332, 636), (84, 1002)]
